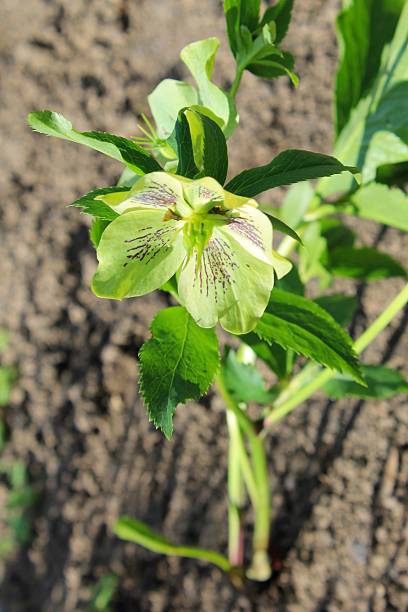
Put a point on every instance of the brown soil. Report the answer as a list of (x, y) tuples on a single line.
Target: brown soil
[(338, 470)]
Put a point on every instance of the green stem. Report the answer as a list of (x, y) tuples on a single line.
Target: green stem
[(382, 321), (237, 81), (236, 495), (260, 568), (135, 531), (303, 393)]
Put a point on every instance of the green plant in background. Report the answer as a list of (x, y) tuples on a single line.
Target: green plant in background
[(20, 496), (171, 222), (104, 594)]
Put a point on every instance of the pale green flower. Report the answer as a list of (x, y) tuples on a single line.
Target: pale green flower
[(218, 244)]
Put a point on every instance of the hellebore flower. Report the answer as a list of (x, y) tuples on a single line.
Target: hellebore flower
[(218, 244)]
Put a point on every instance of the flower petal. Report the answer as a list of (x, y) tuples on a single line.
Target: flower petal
[(203, 194), (230, 284), (252, 229), (282, 266), (138, 253), (154, 190)]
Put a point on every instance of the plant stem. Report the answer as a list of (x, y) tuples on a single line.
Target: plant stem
[(300, 395), (235, 85), (382, 321), (138, 532), (236, 495), (260, 568)]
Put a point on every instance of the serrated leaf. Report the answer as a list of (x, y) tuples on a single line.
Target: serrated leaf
[(365, 263), (299, 324), (281, 14), (167, 100), (274, 66), (91, 206), (382, 204), (340, 307), (273, 355), (381, 383), (178, 363), (291, 166), (201, 145), (364, 28), (117, 147), (243, 381), (291, 282)]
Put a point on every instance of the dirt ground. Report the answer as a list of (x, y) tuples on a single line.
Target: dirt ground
[(338, 470)]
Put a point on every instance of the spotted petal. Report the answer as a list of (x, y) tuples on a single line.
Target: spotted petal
[(156, 190), (138, 253), (233, 281)]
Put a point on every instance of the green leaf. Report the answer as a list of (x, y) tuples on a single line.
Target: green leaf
[(299, 324), (288, 167), (202, 148), (381, 382), (243, 381), (178, 363), (296, 203), (313, 257), (366, 140), (276, 358), (273, 66), (336, 233), (7, 377), (240, 13), (364, 28), (281, 226), (291, 282), (199, 57), (340, 307), (97, 208), (22, 498), (393, 174), (365, 263), (281, 14), (167, 100), (133, 530), (186, 162), (98, 226), (117, 147), (104, 592), (382, 204)]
